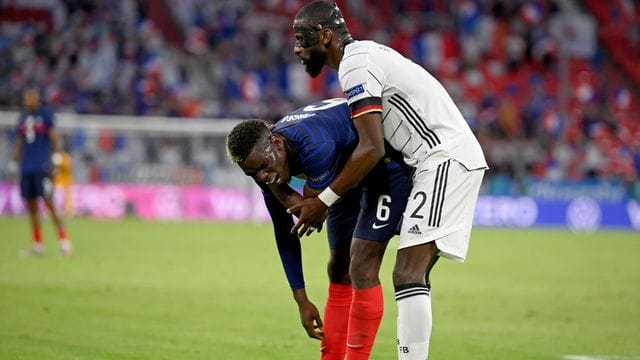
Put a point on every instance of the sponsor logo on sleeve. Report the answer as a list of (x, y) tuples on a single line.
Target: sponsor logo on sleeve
[(354, 91), (321, 177)]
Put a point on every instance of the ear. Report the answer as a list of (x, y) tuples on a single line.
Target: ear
[(276, 141), (326, 35)]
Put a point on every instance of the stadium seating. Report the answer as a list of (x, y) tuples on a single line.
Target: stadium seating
[(576, 115)]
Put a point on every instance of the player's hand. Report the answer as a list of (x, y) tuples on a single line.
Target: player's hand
[(311, 320), (312, 213), (56, 159), (12, 170)]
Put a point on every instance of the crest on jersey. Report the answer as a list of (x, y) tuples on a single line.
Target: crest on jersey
[(354, 91)]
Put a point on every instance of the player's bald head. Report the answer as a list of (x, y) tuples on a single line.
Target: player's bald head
[(318, 12), (318, 15), (243, 137)]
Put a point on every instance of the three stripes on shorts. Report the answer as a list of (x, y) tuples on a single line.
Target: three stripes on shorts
[(439, 190)]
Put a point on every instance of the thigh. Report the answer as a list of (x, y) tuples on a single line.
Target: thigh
[(384, 198), (28, 186), (44, 185), (367, 252), (341, 220), (441, 204)]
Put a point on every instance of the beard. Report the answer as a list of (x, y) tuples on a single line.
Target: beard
[(315, 63)]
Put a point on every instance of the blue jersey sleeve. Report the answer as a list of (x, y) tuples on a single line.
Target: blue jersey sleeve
[(288, 245), (323, 136)]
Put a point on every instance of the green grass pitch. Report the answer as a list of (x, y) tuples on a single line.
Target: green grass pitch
[(141, 290)]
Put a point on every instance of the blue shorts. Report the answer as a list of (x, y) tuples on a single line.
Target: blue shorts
[(34, 185), (372, 211)]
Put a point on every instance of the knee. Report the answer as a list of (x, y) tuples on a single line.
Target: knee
[(414, 264), (338, 269), (366, 257), (411, 272), (407, 275), (338, 275), (32, 205), (363, 272)]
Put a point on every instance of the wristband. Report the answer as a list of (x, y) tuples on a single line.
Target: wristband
[(328, 197)]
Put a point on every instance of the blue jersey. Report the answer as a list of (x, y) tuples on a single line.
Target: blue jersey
[(33, 129), (323, 136)]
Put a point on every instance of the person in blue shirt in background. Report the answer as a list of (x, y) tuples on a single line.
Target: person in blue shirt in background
[(313, 143), (37, 151)]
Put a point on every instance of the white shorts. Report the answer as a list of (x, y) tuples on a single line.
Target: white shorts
[(441, 208)]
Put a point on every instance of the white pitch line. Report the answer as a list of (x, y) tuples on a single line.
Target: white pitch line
[(599, 357)]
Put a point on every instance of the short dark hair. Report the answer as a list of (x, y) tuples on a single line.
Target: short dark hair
[(32, 87), (243, 137)]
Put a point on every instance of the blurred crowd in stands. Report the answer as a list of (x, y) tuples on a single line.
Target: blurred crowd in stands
[(550, 87)]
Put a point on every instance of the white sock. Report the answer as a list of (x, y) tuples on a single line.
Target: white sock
[(414, 321)]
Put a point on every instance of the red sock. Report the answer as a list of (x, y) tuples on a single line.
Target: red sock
[(364, 320), (37, 236), (336, 321), (62, 234)]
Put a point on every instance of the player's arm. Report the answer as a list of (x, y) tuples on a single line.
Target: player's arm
[(17, 151), (54, 138), (12, 167), (290, 253), (365, 156), (56, 148), (368, 152), (309, 191), (288, 244), (287, 196)]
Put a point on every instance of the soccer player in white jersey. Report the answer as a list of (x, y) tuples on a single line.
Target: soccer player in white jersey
[(394, 100)]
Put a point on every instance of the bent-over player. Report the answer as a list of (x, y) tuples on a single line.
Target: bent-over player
[(313, 143)]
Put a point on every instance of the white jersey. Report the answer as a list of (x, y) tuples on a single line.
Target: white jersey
[(418, 116)]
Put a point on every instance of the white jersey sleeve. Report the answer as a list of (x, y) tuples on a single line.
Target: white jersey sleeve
[(419, 118), (362, 83)]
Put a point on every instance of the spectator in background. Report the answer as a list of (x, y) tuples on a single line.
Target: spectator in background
[(35, 139), (96, 54)]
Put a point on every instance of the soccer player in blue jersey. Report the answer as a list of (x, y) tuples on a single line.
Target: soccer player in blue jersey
[(36, 137), (313, 143)]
